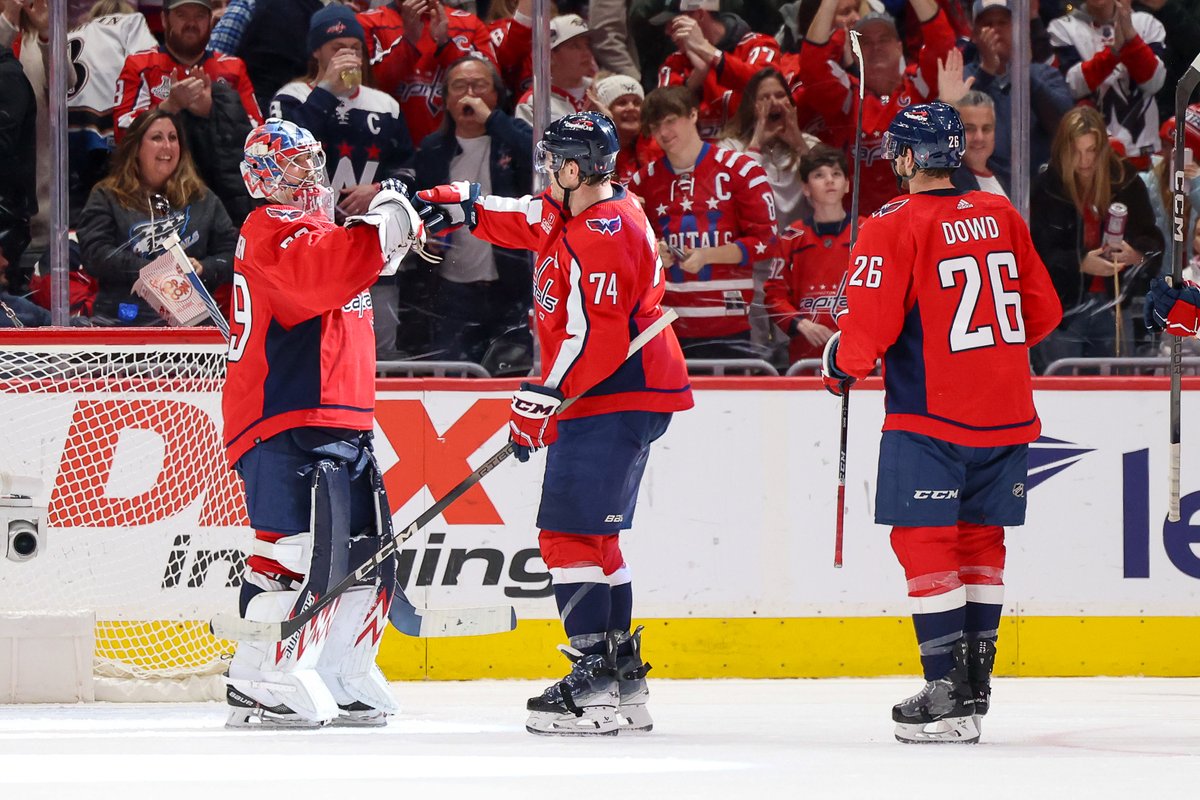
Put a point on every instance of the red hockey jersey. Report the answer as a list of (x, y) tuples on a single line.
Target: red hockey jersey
[(147, 77), (724, 199), (597, 284), (413, 75), (809, 279), (723, 84), (947, 288), (513, 43), (302, 345), (834, 93)]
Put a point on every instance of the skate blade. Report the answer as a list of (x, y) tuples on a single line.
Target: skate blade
[(634, 720), (249, 719), (948, 730), (377, 719), (596, 721)]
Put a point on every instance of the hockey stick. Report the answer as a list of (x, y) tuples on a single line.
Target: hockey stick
[(1183, 94), (429, 622), (854, 200)]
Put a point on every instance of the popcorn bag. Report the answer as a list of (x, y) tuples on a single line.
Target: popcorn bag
[(164, 285)]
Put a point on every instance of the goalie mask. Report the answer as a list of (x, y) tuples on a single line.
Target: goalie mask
[(284, 163)]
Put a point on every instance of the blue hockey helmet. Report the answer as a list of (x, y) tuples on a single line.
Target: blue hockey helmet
[(587, 138), (933, 131)]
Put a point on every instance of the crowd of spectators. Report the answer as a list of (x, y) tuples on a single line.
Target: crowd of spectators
[(737, 121)]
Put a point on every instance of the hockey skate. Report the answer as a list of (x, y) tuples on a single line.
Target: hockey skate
[(246, 712), (632, 714), (942, 712), (585, 702), (981, 658)]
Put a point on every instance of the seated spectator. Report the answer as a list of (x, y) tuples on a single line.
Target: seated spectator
[(978, 114), (112, 31), (116, 224), (1049, 97), (571, 69), (410, 44), (888, 88), (1112, 56), (807, 290), (18, 178), (361, 130), (209, 91), (1158, 182), (620, 98), (1068, 209), (16, 311), (481, 290), (714, 214), (766, 128), (717, 55)]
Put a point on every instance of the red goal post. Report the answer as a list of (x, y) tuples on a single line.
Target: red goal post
[(144, 523)]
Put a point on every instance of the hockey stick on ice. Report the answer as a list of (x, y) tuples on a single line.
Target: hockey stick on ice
[(844, 434), (429, 622), (1183, 95)]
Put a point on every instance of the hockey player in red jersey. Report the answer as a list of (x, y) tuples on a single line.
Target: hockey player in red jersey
[(807, 287), (298, 408), (946, 288), (832, 91), (714, 213), (597, 284)]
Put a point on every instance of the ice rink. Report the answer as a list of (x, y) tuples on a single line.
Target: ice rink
[(1053, 738)]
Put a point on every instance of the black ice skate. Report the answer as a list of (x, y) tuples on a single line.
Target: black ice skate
[(942, 712), (631, 678), (583, 703), (359, 715), (981, 658), (246, 712)]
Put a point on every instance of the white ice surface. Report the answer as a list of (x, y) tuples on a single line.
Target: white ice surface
[(1133, 739)]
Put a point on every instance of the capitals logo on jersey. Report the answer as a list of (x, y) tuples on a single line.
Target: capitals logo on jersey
[(541, 292), (609, 227)]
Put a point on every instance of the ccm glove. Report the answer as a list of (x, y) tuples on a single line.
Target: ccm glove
[(532, 422), (1176, 311), (836, 381), (448, 207)]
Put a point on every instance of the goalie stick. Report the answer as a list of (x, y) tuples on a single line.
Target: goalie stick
[(844, 433), (1183, 95), (413, 621)]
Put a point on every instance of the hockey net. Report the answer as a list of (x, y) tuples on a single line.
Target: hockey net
[(144, 523)]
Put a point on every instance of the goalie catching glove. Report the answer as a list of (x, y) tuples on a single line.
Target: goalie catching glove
[(836, 381), (448, 207), (1176, 311), (400, 228), (532, 423)]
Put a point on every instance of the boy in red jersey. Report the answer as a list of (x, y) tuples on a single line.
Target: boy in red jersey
[(807, 287), (597, 284), (298, 407), (946, 287)]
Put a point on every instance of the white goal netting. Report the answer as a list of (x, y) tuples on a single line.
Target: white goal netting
[(145, 525)]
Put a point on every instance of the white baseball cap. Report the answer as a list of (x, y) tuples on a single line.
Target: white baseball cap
[(565, 27), (673, 8)]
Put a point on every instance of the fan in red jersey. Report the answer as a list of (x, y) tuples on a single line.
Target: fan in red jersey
[(714, 213), (946, 287), (298, 407), (597, 284)]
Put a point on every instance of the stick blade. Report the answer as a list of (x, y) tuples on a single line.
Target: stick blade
[(437, 623), (231, 626)]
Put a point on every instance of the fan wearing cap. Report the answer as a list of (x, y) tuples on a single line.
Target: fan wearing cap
[(571, 69), (410, 43), (180, 74), (717, 54), (620, 98), (889, 89), (597, 285)]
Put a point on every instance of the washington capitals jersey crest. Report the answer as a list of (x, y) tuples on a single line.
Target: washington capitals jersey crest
[(609, 227)]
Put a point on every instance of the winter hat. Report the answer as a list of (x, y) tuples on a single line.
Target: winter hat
[(334, 21), (614, 86)]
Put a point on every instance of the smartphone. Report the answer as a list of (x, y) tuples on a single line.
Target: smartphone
[(676, 253)]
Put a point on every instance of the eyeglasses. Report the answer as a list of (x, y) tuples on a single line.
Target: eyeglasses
[(478, 87)]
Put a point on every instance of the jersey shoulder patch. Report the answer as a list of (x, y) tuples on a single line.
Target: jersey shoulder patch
[(608, 227), (792, 233), (284, 213), (891, 208)]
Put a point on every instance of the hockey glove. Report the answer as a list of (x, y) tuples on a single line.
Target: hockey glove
[(836, 381), (532, 423), (400, 229), (1176, 311), (448, 207)]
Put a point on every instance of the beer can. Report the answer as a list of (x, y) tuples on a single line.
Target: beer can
[(1114, 228)]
